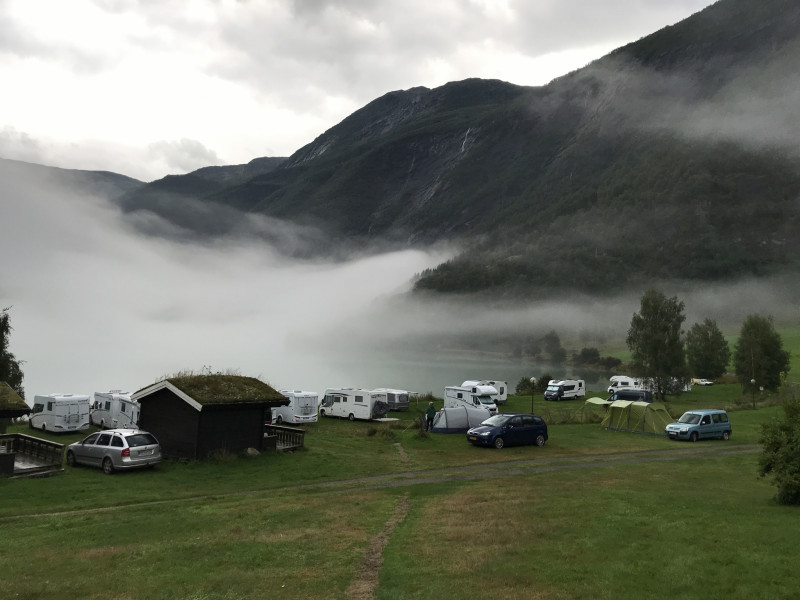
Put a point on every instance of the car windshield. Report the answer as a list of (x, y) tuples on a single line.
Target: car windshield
[(689, 418), (140, 439), (496, 420), (552, 388), (485, 399)]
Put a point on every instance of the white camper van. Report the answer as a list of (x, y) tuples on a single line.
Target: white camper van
[(501, 386), (623, 382), (397, 399), (302, 408), (354, 403), (565, 389), (478, 396), (60, 412), (114, 410)]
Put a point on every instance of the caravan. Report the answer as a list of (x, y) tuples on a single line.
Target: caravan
[(114, 410), (353, 403), (501, 388), (478, 396), (565, 389), (623, 382), (397, 399), (60, 412), (302, 408)]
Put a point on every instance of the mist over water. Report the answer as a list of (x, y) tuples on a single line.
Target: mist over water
[(96, 305)]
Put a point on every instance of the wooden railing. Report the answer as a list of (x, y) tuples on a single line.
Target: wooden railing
[(44, 454), (283, 438)]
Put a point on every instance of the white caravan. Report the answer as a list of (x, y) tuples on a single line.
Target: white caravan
[(478, 396), (114, 410), (623, 382), (501, 386), (565, 389), (302, 408), (354, 403), (60, 412), (397, 399)]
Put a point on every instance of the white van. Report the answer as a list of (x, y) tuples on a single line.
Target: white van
[(354, 403), (565, 389), (478, 396), (302, 408), (114, 410), (501, 386), (60, 412), (623, 382)]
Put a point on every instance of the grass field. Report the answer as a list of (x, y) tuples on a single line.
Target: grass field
[(592, 514)]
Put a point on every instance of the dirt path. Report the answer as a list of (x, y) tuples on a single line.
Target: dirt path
[(366, 581)]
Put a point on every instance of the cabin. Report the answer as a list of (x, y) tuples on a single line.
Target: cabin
[(195, 416)]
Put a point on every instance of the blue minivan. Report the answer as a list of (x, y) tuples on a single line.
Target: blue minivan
[(698, 424)]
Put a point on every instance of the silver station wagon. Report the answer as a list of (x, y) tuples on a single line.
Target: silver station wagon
[(115, 449)]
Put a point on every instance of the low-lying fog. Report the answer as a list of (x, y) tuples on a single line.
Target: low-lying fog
[(98, 306)]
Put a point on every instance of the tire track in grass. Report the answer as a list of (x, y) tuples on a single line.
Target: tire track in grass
[(366, 581)]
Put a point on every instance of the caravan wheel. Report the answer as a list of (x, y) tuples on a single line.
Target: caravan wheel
[(279, 420), (352, 417), (499, 442), (44, 427)]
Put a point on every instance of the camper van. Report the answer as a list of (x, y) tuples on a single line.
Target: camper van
[(302, 408), (565, 389), (623, 382), (114, 410), (60, 412), (354, 403), (479, 396), (397, 399), (501, 386)]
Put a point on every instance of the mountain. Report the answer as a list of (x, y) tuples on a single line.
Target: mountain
[(672, 158)]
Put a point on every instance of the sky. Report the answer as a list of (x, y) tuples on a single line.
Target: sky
[(148, 88)]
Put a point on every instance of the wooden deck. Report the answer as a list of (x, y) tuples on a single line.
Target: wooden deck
[(27, 456), (283, 438)]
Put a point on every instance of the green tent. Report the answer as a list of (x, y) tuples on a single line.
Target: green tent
[(638, 417)]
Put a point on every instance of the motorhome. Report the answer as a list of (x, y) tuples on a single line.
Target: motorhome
[(114, 410), (302, 408), (60, 412), (565, 389), (501, 386), (354, 403), (478, 396), (397, 399), (623, 382)]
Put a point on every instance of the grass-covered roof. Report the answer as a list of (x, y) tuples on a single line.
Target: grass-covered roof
[(11, 400), (225, 389)]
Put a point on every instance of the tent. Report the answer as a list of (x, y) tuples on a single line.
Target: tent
[(458, 419), (637, 417)]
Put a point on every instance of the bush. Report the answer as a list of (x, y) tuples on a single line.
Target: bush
[(780, 439)]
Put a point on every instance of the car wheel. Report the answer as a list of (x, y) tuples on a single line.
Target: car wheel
[(726, 435), (499, 442), (693, 437), (352, 417), (71, 458), (540, 440), (108, 466), (322, 412)]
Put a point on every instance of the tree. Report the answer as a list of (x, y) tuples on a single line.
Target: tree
[(10, 370), (656, 343), (707, 352), (780, 441), (759, 357)]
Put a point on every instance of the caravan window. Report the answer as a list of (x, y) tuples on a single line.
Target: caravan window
[(108, 405), (122, 408), (37, 408), (49, 407), (359, 398)]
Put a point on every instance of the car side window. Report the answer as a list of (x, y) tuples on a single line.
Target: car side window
[(515, 422), (723, 417), (528, 420), (538, 420), (706, 420), (91, 439), (104, 439), (116, 441)]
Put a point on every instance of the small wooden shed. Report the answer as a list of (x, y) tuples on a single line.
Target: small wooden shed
[(197, 415)]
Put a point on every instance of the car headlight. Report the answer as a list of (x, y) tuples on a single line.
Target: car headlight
[(685, 430)]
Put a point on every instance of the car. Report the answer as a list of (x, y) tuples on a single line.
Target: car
[(509, 429), (116, 449), (702, 382), (698, 424)]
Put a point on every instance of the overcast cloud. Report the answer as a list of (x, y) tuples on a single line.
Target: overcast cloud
[(152, 88)]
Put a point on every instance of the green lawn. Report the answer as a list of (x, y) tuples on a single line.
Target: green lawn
[(581, 517)]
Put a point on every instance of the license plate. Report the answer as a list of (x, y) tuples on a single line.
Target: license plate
[(472, 437), (145, 452)]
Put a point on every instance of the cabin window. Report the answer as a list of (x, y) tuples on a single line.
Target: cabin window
[(359, 398)]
